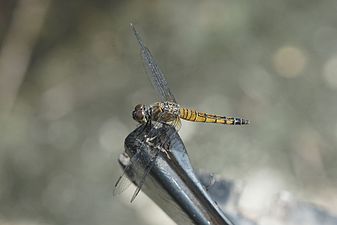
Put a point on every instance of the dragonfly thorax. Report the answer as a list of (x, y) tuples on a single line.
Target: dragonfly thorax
[(165, 111), (169, 108), (160, 111)]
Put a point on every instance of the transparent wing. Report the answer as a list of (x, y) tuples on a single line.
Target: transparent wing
[(151, 136), (121, 185), (156, 76), (147, 171), (123, 182)]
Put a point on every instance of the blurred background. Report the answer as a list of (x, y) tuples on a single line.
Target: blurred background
[(71, 73)]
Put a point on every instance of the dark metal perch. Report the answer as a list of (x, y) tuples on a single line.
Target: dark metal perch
[(173, 185), (171, 181)]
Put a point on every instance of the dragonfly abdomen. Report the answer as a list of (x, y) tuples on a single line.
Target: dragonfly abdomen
[(195, 116)]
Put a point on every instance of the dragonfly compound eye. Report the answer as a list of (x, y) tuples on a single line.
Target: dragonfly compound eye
[(139, 114)]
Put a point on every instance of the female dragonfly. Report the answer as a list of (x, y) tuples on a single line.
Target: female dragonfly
[(167, 110)]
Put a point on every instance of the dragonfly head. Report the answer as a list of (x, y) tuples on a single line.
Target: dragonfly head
[(140, 114)]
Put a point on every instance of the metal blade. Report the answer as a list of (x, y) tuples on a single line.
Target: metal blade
[(171, 182)]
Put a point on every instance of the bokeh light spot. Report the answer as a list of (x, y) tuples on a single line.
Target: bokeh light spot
[(289, 61), (330, 72)]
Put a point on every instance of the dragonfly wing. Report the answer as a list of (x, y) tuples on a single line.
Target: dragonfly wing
[(123, 182), (121, 185), (156, 76), (147, 170), (176, 123)]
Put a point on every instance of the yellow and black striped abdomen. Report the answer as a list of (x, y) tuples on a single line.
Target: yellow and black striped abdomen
[(193, 115)]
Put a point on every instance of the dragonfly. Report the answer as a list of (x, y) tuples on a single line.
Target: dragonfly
[(167, 110)]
